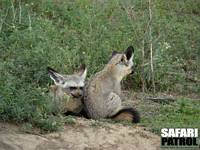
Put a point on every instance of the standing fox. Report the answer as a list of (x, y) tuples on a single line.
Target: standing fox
[(67, 92), (103, 93)]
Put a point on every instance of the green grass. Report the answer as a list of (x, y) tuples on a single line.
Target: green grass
[(184, 113), (64, 34)]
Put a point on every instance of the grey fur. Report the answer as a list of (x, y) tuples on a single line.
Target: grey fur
[(67, 93), (103, 92)]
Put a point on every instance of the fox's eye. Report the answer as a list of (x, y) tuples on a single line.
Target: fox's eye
[(122, 59), (72, 88)]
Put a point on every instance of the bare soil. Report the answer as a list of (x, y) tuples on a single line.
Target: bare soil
[(84, 135)]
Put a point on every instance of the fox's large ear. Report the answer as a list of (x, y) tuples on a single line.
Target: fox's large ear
[(129, 52), (55, 76), (83, 71)]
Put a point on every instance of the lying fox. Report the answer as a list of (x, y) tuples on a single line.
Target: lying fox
[(67, 92), (102, 95)]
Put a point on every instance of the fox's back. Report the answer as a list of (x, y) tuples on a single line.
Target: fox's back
[(97, 92)]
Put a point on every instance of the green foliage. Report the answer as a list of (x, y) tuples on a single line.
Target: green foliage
[(183, 113), (64, 34)]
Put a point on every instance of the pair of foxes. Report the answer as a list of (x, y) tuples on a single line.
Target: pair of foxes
[(101, 96)]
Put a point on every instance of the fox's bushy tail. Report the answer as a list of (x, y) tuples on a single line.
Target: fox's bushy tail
[(127, 114)]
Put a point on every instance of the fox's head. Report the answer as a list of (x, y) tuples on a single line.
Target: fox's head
[(121, 64), (71, 84)]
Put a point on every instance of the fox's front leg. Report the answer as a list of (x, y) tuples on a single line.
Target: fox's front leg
[(113, 104)]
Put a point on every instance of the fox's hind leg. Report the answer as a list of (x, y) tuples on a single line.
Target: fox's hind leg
[(118, 112)]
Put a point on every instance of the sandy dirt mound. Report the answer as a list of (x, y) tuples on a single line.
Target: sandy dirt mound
[(84, 135)]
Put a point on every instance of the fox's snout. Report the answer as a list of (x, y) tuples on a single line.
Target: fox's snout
[(76, 93), (133, 69)]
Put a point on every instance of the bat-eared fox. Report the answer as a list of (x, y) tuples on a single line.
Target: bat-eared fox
[(67, 92), (102, 94)]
